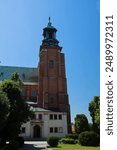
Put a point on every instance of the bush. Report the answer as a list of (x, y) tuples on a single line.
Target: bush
[(13, 145), (20, 140), (72, 136), (68, 141), (88, 138), (6, 147), (53, 141)]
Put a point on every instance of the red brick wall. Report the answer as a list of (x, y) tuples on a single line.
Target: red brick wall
[(27, 92), (52, 81)]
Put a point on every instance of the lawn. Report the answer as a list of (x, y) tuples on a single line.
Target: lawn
[(74, 147)]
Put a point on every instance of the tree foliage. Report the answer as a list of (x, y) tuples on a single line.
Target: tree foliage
[(89, 138), (15, 77), (94, 109), (4, 109), (19, 112), (81, 123)]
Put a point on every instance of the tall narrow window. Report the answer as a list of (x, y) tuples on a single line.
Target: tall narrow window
[(50, 35), (40, 116), (23, 92), (51, 64), (51, 100), (23, 130), (55, 116), (51, 130), (55, 129), (34, 116), (33, 93)]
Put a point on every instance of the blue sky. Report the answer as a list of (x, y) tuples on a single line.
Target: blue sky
[(77, 21)]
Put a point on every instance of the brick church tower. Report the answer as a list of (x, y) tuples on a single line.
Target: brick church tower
[(52, 78)]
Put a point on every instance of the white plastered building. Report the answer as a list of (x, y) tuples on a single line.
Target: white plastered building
[(44, 124)]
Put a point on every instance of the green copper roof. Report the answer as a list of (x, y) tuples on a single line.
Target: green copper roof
[(26, 74), (37, 109)]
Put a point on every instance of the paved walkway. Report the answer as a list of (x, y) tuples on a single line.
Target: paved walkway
[(35, 145)]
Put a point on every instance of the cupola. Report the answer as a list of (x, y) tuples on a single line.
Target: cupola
[(49, 34)]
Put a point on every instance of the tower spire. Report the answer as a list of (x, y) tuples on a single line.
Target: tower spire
[(49, 19), (49, 23)]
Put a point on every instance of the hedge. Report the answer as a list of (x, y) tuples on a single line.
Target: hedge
[(89, 138), (53, 141), (72, 136)]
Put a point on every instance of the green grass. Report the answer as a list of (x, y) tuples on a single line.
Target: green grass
[(74, 147)]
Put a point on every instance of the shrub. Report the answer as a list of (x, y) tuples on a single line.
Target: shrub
[(88, 138), (6, 147), (13, 145), (20, 140), (68, 141), (53, 141), (72, 136)]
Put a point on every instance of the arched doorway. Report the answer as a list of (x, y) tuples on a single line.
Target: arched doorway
[(37, 131)]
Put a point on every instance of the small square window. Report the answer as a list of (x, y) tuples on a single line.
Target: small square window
[(51, 117), (51, 130), (60, 117), (60, 129), (55, 117)]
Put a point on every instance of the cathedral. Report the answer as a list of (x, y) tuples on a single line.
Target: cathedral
[(45, 89)]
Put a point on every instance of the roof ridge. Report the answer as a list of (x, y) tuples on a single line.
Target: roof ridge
[(19, 67)]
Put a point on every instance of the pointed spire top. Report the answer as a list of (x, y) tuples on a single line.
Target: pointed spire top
[(49, 23), (49, 19)]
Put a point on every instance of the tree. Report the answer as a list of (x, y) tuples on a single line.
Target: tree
[(19, 111), (15, 77), (81, 123), (4, 109), (94, 109)]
